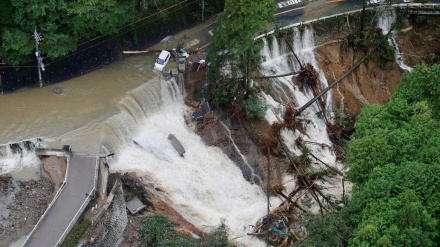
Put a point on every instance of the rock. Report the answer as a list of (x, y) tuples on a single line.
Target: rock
[(57, 90)]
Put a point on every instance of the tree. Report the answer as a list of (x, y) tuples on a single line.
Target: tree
[(158, 230), (422, 84), (391, 134), (63, 24), (255, 108), (401, 220), (395, 166), (330, 230), (233, 51)]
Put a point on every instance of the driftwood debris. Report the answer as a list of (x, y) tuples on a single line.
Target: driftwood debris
[(328, 166), (302, 108), (142, 52), (306, 182)]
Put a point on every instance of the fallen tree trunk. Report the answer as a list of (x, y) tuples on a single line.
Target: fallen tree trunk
[(289, 199), (302, 108), (141, 52), (274, 76), (301, 176), (328, 166)]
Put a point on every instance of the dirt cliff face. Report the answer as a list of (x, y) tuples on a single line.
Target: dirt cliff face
[(368, 84), (420, 44)]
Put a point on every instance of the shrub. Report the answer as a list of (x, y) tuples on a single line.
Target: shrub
[(224, 92), (158, 230), (255, 109), (76, 233)]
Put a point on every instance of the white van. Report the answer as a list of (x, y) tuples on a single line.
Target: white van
[(162, 60)]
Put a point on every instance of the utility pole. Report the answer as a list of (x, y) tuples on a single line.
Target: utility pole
[(203, 10), (40, 63)]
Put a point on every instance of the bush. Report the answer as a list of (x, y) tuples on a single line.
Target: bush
[(332, 229), (255, 109), (224, 92), (76, 233), (158, 230)]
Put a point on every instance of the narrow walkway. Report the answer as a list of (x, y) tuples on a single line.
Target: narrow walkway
[(66, 210)]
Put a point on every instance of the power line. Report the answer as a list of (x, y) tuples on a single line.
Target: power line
[(188, 3), (121, 33), (158, 12)]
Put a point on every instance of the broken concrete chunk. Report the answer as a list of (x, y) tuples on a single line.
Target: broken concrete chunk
[(135, 206), (176, 144)]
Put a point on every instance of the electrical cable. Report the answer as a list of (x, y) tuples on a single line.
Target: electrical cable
[(116, 35), (187, 3)]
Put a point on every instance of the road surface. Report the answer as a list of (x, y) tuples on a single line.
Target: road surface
[(80, 182)]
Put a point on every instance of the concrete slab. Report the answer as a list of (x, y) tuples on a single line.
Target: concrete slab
[(176, 144), (135, 206), (181, 67), (174, 72), (166, 72)]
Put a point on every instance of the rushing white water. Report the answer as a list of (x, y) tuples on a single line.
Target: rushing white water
[(316, 128), (205, 186), (315, 136), (385, 22), (19, 160)]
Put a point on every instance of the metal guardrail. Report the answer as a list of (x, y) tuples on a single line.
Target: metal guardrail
[(60, 190), (62, 187), (83, 205), (419, 6)]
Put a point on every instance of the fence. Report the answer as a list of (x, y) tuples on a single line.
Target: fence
[(104, 50)]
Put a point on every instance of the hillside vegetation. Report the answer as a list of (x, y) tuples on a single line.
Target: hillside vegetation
[(394, 163), (67, 24)]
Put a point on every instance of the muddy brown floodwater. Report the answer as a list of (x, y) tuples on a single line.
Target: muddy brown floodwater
[(68, 113), (73, 116)]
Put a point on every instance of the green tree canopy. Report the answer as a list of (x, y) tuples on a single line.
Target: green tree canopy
[(157, 230), (390, 135), (64, 24), (395, 166), (233, 42), (422, 84)]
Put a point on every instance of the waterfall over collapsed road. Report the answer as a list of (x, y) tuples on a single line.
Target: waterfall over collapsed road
[(314, 136), (131, 113), (277, 59), (205, 186), (385, 22)]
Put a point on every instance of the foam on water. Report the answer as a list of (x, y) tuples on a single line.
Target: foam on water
[(205, 186), (21, 163)]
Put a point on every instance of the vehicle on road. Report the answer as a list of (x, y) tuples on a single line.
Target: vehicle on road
[(162, 60), (374, 1)]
